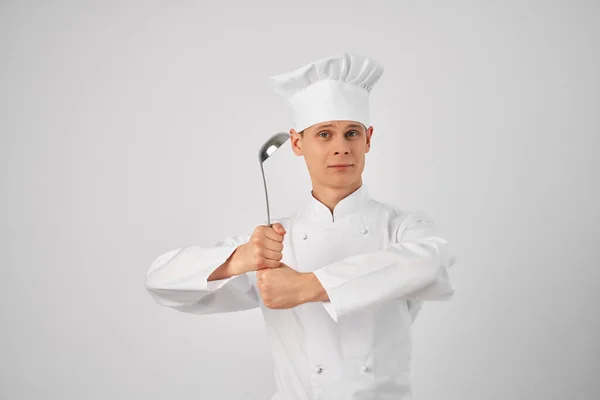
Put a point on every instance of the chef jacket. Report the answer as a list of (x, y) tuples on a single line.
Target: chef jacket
[(377, 263)]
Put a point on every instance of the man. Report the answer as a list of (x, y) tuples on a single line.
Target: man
[(340, 281)]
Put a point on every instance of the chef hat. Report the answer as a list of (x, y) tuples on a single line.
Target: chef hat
[(333, 88)]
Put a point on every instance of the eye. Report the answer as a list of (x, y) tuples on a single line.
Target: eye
[(354, 132), (319, 134)]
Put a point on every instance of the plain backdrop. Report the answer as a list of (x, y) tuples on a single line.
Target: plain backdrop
[(132, 128)]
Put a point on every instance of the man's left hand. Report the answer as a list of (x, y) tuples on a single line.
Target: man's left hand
[(284, 287)]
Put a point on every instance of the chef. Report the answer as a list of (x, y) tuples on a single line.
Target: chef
[(340, 281)]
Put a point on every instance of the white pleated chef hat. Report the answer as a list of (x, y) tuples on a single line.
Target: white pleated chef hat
[(333, 88)]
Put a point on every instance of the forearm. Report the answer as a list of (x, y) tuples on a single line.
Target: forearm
[(231, 267), (179, 279), (412, 268), (312, 289)]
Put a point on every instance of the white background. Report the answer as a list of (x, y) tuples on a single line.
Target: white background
[(132, 128)]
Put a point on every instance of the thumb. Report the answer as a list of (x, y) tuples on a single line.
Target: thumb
[(279, 228)]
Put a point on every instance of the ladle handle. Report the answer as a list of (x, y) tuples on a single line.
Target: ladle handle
[(266, 196)]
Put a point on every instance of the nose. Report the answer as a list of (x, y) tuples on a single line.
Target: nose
[(341, 146)]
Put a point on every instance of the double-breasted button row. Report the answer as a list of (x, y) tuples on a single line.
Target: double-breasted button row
[(363, 368), (363, 231)]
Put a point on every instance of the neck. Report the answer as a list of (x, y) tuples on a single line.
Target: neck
[(330, 196)]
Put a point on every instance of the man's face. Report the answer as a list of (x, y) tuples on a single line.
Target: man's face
[(327, 145)]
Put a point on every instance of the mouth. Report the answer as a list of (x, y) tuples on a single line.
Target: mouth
[(341, 166)]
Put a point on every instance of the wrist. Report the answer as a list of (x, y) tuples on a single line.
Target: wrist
[(312, 288), (236, 263)]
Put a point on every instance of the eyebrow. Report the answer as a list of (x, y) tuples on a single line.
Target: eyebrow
[(347, 126)]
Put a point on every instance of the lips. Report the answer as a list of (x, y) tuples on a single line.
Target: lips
[(341, 165)]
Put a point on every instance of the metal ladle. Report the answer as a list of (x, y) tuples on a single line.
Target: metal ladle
[(267, 151)]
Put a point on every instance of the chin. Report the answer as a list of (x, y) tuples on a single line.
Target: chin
[(342, 181)]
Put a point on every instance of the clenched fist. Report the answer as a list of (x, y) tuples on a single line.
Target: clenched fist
[(283, 287), (263, 250)]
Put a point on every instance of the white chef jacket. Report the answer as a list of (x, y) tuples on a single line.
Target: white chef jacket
[(377, 263)]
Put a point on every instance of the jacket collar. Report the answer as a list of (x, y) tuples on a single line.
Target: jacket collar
[(352, 203)]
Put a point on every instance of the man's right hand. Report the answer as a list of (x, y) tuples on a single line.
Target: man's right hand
[(263, 250)]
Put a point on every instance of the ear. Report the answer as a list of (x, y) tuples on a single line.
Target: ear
[(296, 142), (369, 133)]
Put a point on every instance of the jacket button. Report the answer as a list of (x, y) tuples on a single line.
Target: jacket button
[(304, 236), (364, 368), (363, 230), (319, 369)]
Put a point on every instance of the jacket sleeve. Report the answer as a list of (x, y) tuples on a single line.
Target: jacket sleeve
[(413, 268), (179, 279)]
